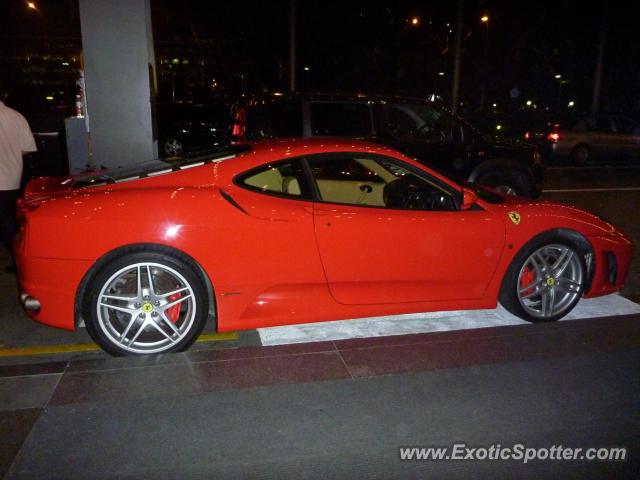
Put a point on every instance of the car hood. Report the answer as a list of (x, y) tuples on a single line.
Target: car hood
[(521, 212)]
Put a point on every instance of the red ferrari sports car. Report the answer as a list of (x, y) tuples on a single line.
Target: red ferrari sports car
[(295, 231)]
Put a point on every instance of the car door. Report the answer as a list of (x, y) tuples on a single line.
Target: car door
[(410, 244), (592, 131), (272, 239), (628, 134)]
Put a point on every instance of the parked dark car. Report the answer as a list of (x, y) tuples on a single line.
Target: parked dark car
[(420, 128), (187, 128)]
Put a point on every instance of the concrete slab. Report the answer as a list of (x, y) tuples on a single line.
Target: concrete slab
[(432, 322)]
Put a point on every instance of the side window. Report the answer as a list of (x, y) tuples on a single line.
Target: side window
[(341, 119), (273, 120), (603, 124), (594, 124), (347, 169), (280, 178), (626, 126), (388, 185), (418, 122)]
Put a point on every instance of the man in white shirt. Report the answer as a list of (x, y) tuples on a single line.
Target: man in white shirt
[(16, 139)]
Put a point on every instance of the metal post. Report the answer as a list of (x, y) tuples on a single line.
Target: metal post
[(485, 60), (597, 82), (292, 45), (456, 59), (119, 75)]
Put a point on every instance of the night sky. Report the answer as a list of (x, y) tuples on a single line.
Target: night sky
[(371, 47)]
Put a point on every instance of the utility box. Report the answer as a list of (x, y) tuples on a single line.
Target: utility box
[(77, 144)]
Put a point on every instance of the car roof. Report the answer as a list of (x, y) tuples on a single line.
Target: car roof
[(339, 97), (309, 145)]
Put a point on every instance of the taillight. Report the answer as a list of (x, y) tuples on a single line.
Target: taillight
[(527, 135), (239, 125), (238, 130), (553, 137)]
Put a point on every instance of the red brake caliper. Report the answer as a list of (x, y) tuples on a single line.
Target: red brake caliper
[(173, 313), (527, 278)]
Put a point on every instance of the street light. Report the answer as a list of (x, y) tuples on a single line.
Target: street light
[(415, 21), (483, 93), (32, 6)]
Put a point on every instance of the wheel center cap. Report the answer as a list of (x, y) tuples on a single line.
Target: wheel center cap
[(147, 308), (551, 281)]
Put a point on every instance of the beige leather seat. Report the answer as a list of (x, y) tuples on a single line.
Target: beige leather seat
[(291, 186), (268, 181)]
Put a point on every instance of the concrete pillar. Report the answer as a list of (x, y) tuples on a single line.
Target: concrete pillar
[(119, 70)]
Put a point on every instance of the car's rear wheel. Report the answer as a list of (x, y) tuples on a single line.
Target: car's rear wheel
[(508, 183), (146, 303), (545, 280)]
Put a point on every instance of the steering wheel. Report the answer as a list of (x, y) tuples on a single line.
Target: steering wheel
[(435, 135), (407, 193)]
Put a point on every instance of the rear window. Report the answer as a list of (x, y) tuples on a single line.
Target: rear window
[(340, 119), (273, 120)]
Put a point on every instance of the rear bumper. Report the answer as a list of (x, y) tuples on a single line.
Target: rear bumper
[(53, 284), (612, 259)]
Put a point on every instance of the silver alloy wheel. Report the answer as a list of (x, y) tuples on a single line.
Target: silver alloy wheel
[(146, 308), (505, 190), (550, 280), (173, 147)]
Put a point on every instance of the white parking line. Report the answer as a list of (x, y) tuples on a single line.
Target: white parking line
[(608, 166), (608, 305), (603, 189)]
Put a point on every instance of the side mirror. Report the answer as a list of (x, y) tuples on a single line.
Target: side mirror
[(469, 198)]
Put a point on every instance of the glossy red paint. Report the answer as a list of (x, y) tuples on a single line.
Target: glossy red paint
[(273, 260)]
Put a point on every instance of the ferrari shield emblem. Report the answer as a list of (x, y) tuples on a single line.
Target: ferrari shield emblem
[(515, 217)]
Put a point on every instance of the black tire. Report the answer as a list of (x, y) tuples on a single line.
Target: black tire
[(512, 182), (581, 154), (172, 147), (178, 296), (511, 291)]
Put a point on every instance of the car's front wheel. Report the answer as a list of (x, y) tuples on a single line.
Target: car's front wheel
[(146, 303), (172, 147), (581, 154), (545, 280)]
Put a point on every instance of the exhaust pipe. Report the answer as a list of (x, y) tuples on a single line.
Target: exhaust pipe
[(29, 303)]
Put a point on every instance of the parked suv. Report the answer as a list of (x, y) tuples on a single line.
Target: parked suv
[(419, 128)]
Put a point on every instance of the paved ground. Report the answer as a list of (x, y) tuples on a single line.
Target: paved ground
[(334, 409)]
